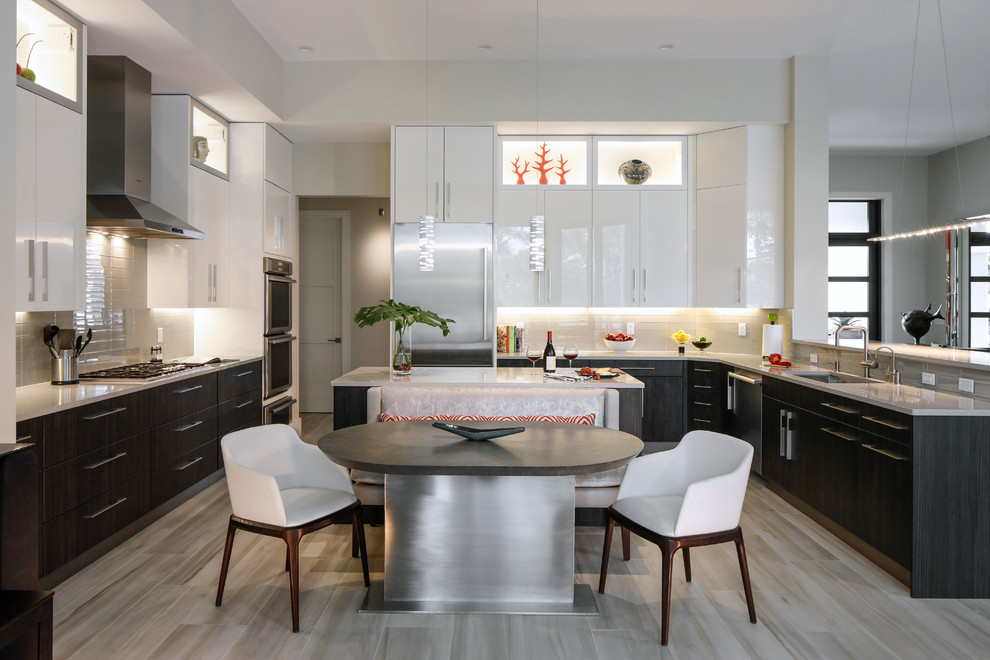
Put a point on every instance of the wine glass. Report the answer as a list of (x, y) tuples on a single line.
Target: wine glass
[(570, 352), (533, 354)]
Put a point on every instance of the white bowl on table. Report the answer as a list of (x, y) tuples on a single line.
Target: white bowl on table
[(619, 346)]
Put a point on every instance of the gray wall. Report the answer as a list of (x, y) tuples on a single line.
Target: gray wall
[(369, 278), (908, 281)]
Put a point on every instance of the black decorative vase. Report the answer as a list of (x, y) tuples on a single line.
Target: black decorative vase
[(918, 322), (635, 172)]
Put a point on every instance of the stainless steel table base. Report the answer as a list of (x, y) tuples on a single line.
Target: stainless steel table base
[(460, 543), (583, 604)]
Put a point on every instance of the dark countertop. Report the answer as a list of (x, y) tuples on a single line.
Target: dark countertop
[(543, 449)]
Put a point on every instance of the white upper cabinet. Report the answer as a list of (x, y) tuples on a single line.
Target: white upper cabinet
[(50, 205), (443, 172), (739, 234), (565, 278), (278, 159), (280, 222), (641, 248)]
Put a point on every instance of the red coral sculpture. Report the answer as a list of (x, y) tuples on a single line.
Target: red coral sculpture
[(560, 169), (543, 164), (517, 172)]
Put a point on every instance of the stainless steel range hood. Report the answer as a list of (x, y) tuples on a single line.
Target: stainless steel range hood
[(118, 161)]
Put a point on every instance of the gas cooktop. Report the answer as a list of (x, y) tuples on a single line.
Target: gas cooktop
[(139, 371)]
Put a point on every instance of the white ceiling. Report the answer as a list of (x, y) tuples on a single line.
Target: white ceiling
[(871, 44)]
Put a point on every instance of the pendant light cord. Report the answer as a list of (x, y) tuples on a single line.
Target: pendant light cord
[(952, 118), (907, 123)]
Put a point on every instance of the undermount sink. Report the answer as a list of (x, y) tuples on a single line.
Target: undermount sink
[(834, 377)]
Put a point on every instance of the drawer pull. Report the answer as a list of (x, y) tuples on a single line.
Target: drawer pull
[(189, 389), (703, 387), (105, 461), (186, 427), (704, 371), (242, 405), (842, 409), (188, 464), (22, 438), (703, 421), (105, 509), (840, 434), (701, 403), (890, 425), (243, 374), (884, 452), (90, 418)]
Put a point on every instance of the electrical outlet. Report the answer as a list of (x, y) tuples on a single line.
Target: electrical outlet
[(966, 385), (630, 328), (927, 378), (742, 329), (813, 358), (161, 335)]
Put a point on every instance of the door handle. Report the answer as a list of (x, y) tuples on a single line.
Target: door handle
[(335, 340)]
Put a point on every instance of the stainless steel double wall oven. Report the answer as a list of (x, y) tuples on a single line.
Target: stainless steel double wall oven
[(278, 333)]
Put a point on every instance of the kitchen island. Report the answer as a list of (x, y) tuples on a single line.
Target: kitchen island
[(350, 390)]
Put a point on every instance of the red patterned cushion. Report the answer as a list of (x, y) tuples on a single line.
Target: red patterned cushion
[(588, 420)]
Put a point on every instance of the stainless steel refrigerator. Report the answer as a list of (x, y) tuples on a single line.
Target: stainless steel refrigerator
[(459, 287)]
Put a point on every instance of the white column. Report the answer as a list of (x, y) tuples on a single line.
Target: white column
[(8, 370), (806, 263)]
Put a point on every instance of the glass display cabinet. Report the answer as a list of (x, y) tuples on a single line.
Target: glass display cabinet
[(208, 144), (50, 52), (655, 163)]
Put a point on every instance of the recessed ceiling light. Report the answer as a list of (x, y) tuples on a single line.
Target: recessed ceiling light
[(485, 47), (666, 46), (306, 49)]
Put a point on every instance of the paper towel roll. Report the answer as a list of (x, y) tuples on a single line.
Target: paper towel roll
[(773, 339)]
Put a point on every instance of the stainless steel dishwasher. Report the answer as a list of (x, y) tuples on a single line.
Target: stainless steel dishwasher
[(745, 404)]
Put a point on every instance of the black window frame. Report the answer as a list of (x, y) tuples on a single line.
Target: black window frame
[(860, 239), (981, 238)]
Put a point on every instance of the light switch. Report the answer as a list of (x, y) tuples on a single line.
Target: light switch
[(813, 358)]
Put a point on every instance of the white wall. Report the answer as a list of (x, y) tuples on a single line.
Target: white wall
[(743, 91), (8, 166), (902, 185), (355, 169), (947, 201)]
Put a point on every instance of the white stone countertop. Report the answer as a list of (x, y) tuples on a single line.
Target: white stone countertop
[(474, 376), (44, 398), (902, 398)]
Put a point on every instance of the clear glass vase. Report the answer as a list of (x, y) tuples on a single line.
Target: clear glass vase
[(402, 358)]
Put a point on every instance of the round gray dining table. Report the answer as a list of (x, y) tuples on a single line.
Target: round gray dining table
[(480, 526)]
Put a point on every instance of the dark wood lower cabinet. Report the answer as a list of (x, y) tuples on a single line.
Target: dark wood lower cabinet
[(172, 478)]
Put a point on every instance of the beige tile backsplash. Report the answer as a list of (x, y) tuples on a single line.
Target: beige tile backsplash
[(124, 329), (652, 329)]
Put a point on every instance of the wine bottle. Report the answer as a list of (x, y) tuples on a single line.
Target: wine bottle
[(549, 355)]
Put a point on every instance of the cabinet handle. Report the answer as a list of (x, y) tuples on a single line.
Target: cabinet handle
[(634, 285), (730, 397), (186, 427), (890, 425), (549, 285), (739, 288), (644, 285), (209, 282), (485, 323), (243, 374), (842, 409), (243, 405), (22, 438), (703, 371), (701, 403), (703, 421), (702, 387), (449, 197), (105, 461), (783, 432), (90, 418), (44, 271), (884, 452), (105, 509), (182, 467), (278, 232), (30, 267), (216, 282), (436, 203), (840, 434), (189, 389), (790, 436)]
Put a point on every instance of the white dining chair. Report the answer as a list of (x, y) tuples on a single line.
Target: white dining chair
[(280, 486), (689, 496)]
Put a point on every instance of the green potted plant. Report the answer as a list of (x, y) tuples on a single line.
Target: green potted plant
[(403, 316)]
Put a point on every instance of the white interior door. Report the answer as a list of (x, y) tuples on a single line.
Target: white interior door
[(319, 277)]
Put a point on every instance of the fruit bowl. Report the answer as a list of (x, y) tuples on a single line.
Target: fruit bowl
[(619, 346), (701, 345)]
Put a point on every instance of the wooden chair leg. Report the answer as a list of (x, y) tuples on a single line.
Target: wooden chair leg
[(228, 546), (292, 537), (609, 526), (355, 552), (287, 566), (626, 550), (667, 550), (687, 563), (744, 569), (357, 529)]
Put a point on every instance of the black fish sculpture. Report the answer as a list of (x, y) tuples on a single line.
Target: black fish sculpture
[(918, 322)]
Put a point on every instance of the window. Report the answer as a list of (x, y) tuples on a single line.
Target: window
[(854, 265), (979, 286)]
